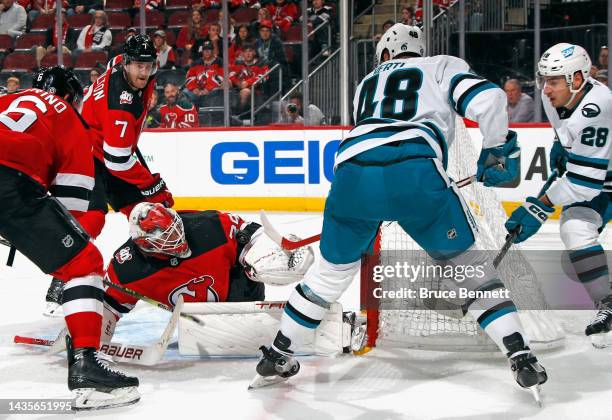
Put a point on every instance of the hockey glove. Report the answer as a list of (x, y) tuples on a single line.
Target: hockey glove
[(157, 192), (558, 158), (528, 218), (500, 165)]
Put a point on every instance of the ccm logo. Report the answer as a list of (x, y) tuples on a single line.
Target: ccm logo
[(119, 351), (537, 212)]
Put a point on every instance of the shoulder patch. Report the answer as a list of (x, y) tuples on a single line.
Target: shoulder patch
[(591, 110)]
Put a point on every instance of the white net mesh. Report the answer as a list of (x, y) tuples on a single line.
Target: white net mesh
[(406, 323)]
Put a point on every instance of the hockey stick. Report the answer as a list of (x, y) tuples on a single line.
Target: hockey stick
[(512, 236), (135, 354), (148, 300), (289, 245)]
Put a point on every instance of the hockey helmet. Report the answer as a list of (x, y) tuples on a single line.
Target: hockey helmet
[(564, 60), (139, 48), (401, 39), (59, 81), (158, 231)]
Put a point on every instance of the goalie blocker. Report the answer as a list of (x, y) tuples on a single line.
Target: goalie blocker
[(203, 257)]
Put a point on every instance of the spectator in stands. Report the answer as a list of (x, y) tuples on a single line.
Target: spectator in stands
[(95, 36), (284, 13), (594, 70), (13, 18), (214, 37), (236, 47), (149, 5), (205, 79), (269, 46), (292, 112), (165, 53), (190, 33), (177, 112), (12, 84), (44, 7), (602, 76), (320, 14), (408, 17), (79, 7), (520, 105), (94, 73), (386, 25), (603, 58), (263, 14), (68, 37), (245, 73), (153, 117), (231, 24)]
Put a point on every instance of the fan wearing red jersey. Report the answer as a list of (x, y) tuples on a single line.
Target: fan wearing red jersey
[(245, 73), (115, 107), (39, 156), (177, 113), (207, 256)]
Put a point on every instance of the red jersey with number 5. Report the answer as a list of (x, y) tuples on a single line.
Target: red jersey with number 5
[(202, 277), (116, 112), (45, 138)]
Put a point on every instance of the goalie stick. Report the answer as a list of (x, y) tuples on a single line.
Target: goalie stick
[(148, 300), (289, 245), (135, 354)]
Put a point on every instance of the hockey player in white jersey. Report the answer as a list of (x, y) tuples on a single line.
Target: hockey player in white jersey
[(392, 166), (580, 111)]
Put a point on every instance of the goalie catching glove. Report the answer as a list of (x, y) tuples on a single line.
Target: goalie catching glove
[(266, 262), (500, 165)]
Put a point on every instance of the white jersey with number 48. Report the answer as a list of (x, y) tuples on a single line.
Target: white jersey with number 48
[(585, 133), (419, 97)]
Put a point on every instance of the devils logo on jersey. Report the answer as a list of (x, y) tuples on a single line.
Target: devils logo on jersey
[(123, 255), (199, 289)]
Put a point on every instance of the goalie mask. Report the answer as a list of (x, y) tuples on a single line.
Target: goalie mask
[(158, 231), (400, 39)]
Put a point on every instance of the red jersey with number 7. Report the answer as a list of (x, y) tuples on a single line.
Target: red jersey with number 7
[(44, 137), (115, 112)]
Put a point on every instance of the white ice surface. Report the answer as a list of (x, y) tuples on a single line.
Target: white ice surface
[(380, 385)]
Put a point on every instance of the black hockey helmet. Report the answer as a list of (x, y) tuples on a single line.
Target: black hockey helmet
[(59, 81), (139, 48)]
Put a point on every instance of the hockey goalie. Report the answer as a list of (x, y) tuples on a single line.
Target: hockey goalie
[(205, 256)]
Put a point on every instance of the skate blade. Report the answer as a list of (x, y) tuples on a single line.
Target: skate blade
[(53, 310), (263, 381), (90, 399), (537, 394), (601, 340)]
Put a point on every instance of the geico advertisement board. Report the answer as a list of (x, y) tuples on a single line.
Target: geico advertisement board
[(288, 164)]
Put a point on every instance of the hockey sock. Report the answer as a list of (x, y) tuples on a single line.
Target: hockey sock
[(591, 268), (93, 222), (496, 316), (303, 313), (83, 308)]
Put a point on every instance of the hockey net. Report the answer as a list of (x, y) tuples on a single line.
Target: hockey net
[(408, 323)]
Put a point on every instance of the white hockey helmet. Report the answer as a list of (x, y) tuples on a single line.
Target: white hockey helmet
[(400, 39), (158, 231), (564, 60)]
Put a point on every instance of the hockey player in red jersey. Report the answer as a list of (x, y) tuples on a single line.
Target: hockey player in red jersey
[(115, 107), (46, 172), (206, 256)]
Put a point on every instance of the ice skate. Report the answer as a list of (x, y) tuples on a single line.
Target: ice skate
[(54, 299), (528, 372), (274, 368), (600, 326), (94, 384)]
